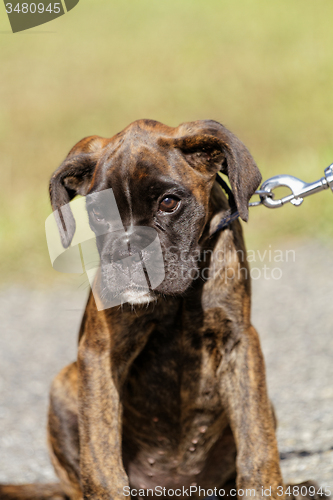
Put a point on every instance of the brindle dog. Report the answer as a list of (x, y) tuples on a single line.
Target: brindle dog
[(169, 389)]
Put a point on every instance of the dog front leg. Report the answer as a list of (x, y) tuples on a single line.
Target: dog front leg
[(104, 358), (101, 469), (243, 387)]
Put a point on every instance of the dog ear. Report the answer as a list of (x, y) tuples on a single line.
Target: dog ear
[(71, 178), (210, 148)]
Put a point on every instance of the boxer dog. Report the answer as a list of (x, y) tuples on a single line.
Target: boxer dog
[(168, 393)]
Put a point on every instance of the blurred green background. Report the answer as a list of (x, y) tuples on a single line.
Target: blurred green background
[(263, 69)]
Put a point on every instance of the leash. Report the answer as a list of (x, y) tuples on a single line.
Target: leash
[(299, 190)]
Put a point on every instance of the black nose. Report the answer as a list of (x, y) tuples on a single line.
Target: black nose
[(130, 243)]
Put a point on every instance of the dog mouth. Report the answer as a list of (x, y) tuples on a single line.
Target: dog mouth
[(136, 296), (129, 267), (133, 294), (120, 284)]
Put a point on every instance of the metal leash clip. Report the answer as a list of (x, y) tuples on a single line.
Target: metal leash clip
[(299, 189)]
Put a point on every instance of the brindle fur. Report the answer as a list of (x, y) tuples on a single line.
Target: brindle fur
[(171, 393)]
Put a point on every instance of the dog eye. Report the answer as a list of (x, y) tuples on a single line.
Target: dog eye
[(97, 215), (169, 204)]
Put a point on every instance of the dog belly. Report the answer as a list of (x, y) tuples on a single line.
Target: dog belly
[(175, 430), (177, 446), (155, 469)]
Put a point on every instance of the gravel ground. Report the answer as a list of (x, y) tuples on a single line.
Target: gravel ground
[(294, 319)]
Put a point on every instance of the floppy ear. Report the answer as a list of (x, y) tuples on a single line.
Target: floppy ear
[(71, 178), (210, 148)]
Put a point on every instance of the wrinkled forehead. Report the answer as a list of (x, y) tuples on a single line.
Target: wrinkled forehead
[(141, 159)]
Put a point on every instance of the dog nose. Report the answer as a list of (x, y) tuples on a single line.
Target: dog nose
[(132, 243)]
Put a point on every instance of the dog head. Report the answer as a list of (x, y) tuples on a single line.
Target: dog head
[(161, 178)]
